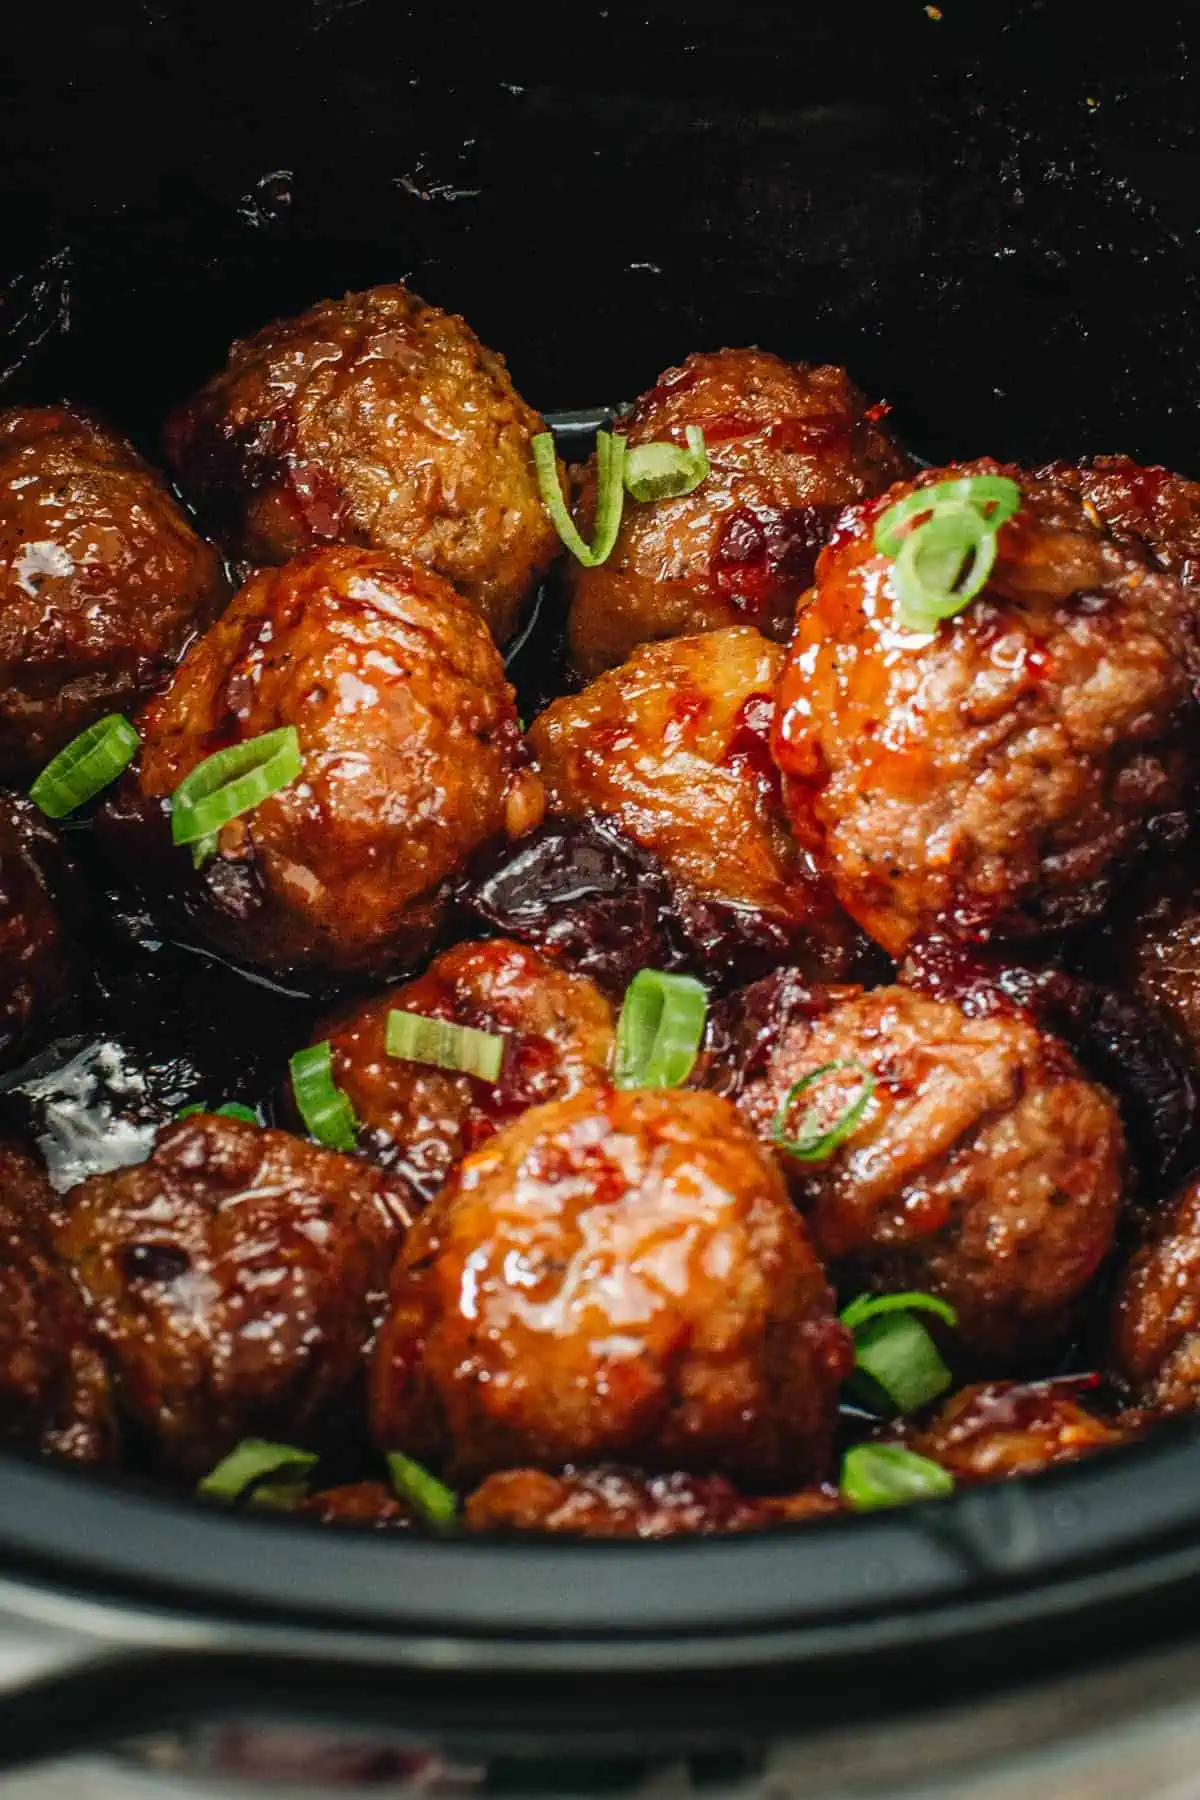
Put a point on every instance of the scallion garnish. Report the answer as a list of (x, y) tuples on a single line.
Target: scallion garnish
[(86, 767), (664, 471), (877, 1475), (610, 496), (446, 1045), (944, 558), (898, 1368), (874, 1306), (250, 1463), (436, 1503), (232, 1109), (327, 1113), (231, 782), (816, 1136), (660, 1030)]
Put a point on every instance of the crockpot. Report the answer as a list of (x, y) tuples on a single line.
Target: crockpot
[(990, 215)]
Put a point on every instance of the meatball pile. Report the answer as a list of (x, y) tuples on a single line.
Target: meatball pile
[(721, 1085)]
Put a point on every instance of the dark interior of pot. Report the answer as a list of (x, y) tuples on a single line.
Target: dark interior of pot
[(988, 216)]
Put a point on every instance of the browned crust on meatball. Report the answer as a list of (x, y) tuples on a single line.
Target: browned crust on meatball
[(103, 581), (55, 1394), (1146, 504), (610, 1502), (617, 1275), (1155, 1337), (788, 445), (412, 760), (361, 1503), (378, 420), (674, 746), (36, 959), (997, 775), (999, 1429), (419, 1120), (985, 1168), (1151, 943), (235, 1280)]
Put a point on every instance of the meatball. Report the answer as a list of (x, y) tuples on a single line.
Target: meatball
[(358, 1503), (35, 935), (412, 758), (235, 1280), (788, 446), (1149, 506), (993, 776), (985, 1168), (373, 420), (55, 1394), (999, 1429), (103, 581), (1151, 947), (616, 1275), (1156, 1312), (421, 1120), (674, 747), (624, 1503)]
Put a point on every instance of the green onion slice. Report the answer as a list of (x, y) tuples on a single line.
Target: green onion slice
[(231, 782), (436, 1503), (232, 1109), (327, 1113), (660, 1030), (994, 497), (444, 1044), (86, 767), (664, 471), (897, 1368), (816, 1137), (945, 556), (610, 496), (876, 1475), (250, 1463), (874, 1306)]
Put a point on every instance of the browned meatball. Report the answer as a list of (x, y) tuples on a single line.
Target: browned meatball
[(673, 745), (999, 1429), (35, 937), (235, 1279), (994, 775), (102, 581), (54, 1389), (1151, 945), (374, 419), (614, 1275), (1150, 506), (420, 1120), (985, 1168), (358, 1503), (624, 1503), (1156, 1312), (788, 446), (412, 758)]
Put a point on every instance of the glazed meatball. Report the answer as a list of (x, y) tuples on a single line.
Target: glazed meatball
[(373, 420), (624, 1503), (1156, 1312), (984, 1168), (998, 1429), (35, 937), (235, 1280), (1148, 506), (421, 1120), (55, 1394), (614, 1275), (788, 446), (103, 581), (673, 746), (412, 759), (1151, 946), (992, 776)]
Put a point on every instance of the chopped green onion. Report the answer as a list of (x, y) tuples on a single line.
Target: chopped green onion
[(664, 471), (446, 1045), (610, 496), (944, 560), (897, 1367), (994, 497), (877, 1475), (660, 1030), (873, 1306), (815, 1140), (249, 1463), (232, 1109), (437, 1504), (86, 767), (231, 782), (327, 1113)]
